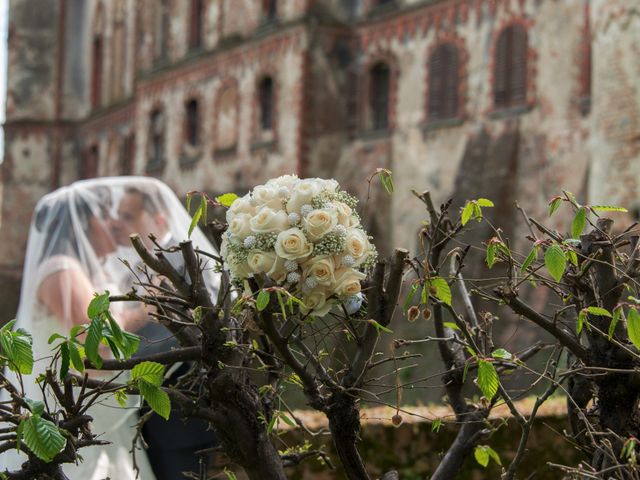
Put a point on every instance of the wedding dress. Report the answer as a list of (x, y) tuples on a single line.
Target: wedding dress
[(71, 233)]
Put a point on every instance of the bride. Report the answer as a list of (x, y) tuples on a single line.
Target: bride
[(67, 260)]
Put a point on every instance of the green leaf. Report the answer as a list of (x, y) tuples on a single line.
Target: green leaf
[(407, 301), (99, 305), (481, 455), (579, 221), (130, 344), (443, 291), (451, 325), (572, 256), (379, 327), (23, 358), (502, 354), (533, 256), (121, 397), (603, 312), (493, 454), (203, 206), (189, 196), (287, 420), (608, 208), (230, 475), (554, 204), (55, 337), (42, 437), (484, 202), (617, 313), (226, 199), (386, 180), (555, 261), (8, 326), (195, 220), (92, 342), (35, 406), (491, 254), (487, 379), (436, 424), (633, 327), (156, 398), (75, 357), (263, 300), (582, 319), (150, 372), (467, 213), (272, 423), (64, 361)]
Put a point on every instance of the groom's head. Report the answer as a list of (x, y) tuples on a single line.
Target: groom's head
[(138, 213)]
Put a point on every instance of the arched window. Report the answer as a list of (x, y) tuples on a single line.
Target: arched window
[(270, 10), (156, 138), (162, 29), (89, 166), (96, 71), (192, 122), (127, 155), (119, 51), (265, 103), (97, 58), (510, 87), (379, 92), (443, 83), (226, 134), (196, 24)]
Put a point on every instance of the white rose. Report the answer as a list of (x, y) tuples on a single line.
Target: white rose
[(320, 222), (315, 302), (238, 270), (354, 221), (302, 194), (240, 225), (268, 220), (330, 184), (344, 212), (267, 262), (291, 244), (322, 268), (266, 196), (347, 282), (357, 245), (240, 205), (287, 181)]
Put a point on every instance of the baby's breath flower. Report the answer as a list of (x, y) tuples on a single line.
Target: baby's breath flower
[(291, 265), (331, 243), (294, 218), (250, 242), (310, 283), (306, 210), (265, 241), (293, 277), (348, 261)]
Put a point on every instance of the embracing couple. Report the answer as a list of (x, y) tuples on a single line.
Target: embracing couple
[(78, 235)]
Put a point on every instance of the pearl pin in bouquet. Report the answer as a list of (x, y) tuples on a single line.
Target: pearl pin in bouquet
[(303, 234)]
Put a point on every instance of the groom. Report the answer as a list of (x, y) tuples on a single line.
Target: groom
[(172, 443)]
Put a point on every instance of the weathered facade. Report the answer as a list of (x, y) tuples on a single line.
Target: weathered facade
[(499, 98)]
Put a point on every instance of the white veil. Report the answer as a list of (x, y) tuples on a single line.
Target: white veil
[(84, 228)]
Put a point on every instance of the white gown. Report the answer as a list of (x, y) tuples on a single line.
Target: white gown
[(110, 422)]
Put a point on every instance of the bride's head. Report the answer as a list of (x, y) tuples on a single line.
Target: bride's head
[(75, 223)]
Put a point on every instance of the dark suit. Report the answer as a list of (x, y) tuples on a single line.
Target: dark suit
[(172, 443)]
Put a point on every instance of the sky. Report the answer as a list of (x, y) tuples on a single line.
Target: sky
[(4, 21)]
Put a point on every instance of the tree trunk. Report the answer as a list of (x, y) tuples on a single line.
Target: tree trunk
[(344, 423), (452, 462)]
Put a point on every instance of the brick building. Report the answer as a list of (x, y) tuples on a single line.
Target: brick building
[(501, 98)]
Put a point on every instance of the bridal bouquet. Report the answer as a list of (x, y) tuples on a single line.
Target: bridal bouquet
[(305, 235)]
